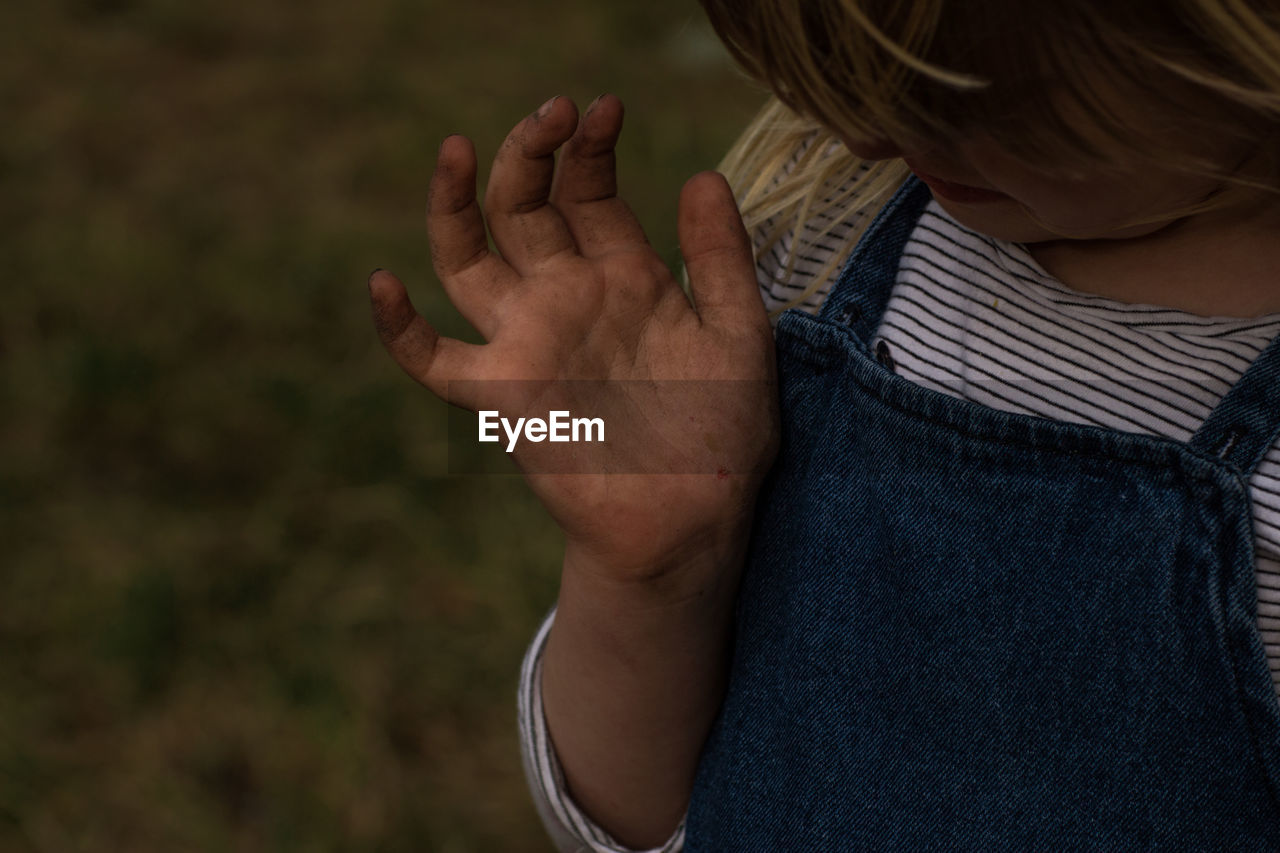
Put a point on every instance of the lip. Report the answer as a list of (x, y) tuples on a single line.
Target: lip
[(961, 193)]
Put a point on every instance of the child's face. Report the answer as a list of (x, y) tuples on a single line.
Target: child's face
[(989, 191), (1024, 205)]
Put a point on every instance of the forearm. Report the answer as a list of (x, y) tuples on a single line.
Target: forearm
[(633, 675)]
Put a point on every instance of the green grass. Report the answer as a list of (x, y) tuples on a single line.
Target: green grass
[(242, 607)]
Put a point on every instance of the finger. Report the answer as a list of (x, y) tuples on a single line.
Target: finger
[(585, 189), (419, 350), (526, 228), (473, 276), (717, 253)]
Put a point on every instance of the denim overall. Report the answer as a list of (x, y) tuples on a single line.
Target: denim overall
[(966, 629)]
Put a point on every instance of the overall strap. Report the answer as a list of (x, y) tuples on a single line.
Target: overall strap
[(861, 293), (1246, 422)]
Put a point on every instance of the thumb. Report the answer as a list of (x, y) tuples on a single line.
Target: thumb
[(717, 253)]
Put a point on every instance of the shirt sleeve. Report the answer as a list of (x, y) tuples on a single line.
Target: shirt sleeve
[(571, 831)]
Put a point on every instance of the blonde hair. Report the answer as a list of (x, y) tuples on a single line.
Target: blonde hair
[(1039, 79)]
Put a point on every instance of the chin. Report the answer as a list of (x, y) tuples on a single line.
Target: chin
[(1010, 221), (1003, 220)]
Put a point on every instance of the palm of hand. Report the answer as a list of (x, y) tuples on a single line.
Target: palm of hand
[(580, 314)]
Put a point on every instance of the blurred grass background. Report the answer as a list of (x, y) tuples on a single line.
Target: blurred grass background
[(241, 605)]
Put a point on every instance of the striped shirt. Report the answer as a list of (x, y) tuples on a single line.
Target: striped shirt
[(981, 320)]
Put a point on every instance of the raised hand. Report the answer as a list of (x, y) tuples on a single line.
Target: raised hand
[(575, 293)]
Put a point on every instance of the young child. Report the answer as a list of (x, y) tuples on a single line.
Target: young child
[(1012, 580)]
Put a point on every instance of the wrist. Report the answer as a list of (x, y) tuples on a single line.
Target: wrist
[(660, 568), (633, 674)]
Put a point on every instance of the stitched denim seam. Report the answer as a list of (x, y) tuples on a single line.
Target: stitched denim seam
[(1228, 543)]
